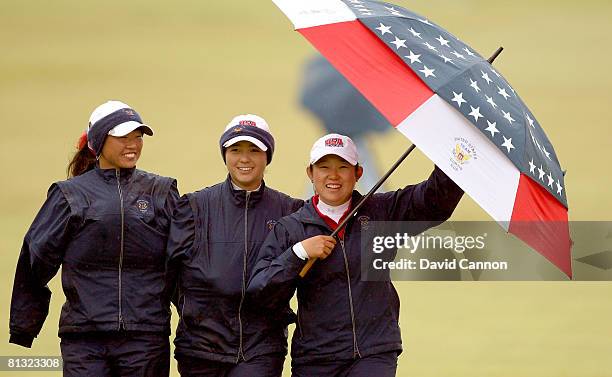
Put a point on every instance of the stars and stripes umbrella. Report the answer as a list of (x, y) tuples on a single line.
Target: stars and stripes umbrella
[(450, 102)]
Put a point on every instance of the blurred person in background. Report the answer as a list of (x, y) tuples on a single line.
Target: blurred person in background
[(342, 109), (107, 227), (215, 238), (346, 325)]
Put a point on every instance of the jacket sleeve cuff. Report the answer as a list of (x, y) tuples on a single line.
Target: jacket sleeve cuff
[(292, 262), (299, 250), (21, 339)]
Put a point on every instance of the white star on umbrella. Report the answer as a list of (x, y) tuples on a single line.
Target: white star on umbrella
[(503, 93), (550, 180), (508, 116), (529, 120), (414, 33), (446, 60), (507, 143), (547, 153), (394, 11), (399, 43), (532, 167), (443, 42), (491, 102), (413, 57), (430, 46), (428, 72), (425, 21), (495, 72), (469, 52), (474, 85), (559, 188), (541, 172), (492, 128), (458, 98), (384, 29), (475, 113), (458, 55), (486, 77)]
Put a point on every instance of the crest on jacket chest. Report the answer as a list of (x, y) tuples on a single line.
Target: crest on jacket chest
[(142, 205), (270, 224)]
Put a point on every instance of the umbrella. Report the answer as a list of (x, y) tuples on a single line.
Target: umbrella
[(449, 101)]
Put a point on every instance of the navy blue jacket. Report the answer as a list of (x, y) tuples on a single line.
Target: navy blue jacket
[(108, 230), (340, 316), (215, 236)]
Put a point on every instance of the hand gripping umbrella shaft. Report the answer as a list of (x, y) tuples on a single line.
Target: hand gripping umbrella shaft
[(397, 163)]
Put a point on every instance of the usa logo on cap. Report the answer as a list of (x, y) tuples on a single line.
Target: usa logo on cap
[(334, 142)]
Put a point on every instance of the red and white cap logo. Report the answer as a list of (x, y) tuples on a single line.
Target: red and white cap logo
[(335, 144)]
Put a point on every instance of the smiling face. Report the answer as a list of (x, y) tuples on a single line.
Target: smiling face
[(334, 179), (246, 164), (121, 152)]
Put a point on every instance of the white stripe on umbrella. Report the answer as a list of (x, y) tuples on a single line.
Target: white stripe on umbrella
[(447, 138), (442, 133), (304, 14)]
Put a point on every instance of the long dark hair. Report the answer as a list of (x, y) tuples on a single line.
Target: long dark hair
[(83, 160)]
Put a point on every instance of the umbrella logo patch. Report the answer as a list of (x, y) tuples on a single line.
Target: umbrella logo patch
[(334, 142), (462, 153), (142, 205)]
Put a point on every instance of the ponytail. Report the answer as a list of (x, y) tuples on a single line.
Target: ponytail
[(83, 160)]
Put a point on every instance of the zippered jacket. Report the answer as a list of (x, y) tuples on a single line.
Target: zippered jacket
[(341, 316), (107, 229), (215, 236)]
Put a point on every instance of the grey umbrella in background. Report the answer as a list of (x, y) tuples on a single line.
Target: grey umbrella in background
[(342, 109)]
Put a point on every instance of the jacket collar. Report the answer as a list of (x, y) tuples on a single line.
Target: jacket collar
[(111, 174), (239, 196), (308, 214)]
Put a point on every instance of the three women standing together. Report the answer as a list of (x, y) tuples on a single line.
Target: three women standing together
[(227, 256)]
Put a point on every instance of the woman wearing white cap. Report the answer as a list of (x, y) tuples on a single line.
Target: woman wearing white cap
[(347, 326), (214, 241), (107, 227)]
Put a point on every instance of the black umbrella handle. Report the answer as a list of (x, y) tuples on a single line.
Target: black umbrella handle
[(353, 211)]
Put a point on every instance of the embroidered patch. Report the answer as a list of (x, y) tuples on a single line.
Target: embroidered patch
[(364, 220), (142, 205), (270, 224)]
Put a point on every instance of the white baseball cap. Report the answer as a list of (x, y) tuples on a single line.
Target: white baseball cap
[(336, 144), (128, 119), (247, 120)]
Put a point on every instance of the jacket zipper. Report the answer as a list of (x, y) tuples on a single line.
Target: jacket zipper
[(121, 325), (244, 271), (356, 352)]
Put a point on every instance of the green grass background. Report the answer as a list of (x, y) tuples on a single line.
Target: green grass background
[(189, 66)]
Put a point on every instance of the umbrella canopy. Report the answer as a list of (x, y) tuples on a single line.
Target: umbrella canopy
[(341, 107), (457, 109)]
